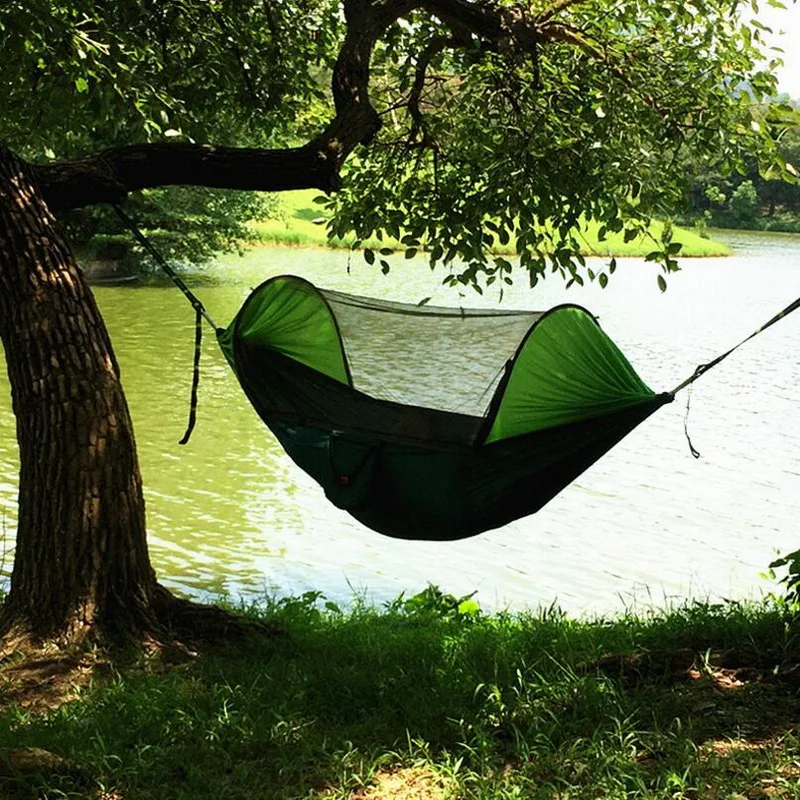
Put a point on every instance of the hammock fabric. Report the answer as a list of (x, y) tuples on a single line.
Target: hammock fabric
[(357, 391), (432, 423)]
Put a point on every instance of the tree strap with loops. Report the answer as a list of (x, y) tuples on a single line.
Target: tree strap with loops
[(198, 341), (703, 368), (200, 313)]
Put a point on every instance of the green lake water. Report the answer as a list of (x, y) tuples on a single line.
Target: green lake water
[(230, 514)]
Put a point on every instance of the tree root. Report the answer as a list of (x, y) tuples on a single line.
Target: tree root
[(41, 672), (161, 618), (199, 624)]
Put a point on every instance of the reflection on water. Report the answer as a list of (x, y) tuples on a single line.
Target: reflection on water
[(230, 513)]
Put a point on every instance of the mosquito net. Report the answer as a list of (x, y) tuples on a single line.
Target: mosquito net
[(432, 423)]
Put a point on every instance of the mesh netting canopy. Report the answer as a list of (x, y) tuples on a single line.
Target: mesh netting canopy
[(432, 423)]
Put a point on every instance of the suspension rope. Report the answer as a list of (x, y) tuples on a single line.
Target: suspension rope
[(201, 314), (703, 368), (161, 261), (199, 309)]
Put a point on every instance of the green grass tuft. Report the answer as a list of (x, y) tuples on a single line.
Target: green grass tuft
[(433, 697)]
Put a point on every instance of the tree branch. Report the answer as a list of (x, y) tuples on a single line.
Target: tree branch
[(555, 8), (108, 176), (435, 46)]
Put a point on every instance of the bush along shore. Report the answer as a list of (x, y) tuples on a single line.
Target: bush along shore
[(301, 223), (426, 698)]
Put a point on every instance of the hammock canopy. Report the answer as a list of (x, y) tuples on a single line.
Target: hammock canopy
[(432, 423)]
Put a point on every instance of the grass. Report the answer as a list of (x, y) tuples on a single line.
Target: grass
[(422, 700), (302, 225)]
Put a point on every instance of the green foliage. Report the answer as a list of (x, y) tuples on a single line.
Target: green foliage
[(78, 76), (744, 202), (756, 197), (495, 143), (300, 222), (715, 196), (791, 580), (432, 601), (189, 225), (514, 147)]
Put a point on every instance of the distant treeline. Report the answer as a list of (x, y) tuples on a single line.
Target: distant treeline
[(749, 200)]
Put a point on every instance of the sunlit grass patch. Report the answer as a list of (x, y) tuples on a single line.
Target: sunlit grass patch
[(418, 782), (302, 224)]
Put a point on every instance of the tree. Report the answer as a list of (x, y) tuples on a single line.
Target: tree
[(460, 121), (744, 203), (711, 189)]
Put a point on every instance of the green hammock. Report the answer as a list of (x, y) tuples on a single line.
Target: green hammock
[(397, 447), (409, 421)]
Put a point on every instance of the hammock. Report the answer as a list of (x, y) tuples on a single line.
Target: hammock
[(409, 421)]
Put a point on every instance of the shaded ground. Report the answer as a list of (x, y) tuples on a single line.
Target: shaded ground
[(420, 703)]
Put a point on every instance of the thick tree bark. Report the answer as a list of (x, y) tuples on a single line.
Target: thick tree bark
[(81, 554)]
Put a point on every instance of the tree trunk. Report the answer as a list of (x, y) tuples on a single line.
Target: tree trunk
[(81, 563)]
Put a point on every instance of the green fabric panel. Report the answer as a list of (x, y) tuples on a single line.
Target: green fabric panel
[(289, 316), (566, 371), (412, 491), (225, 341)]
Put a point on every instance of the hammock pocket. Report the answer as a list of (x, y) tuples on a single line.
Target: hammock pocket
[(432, 423)]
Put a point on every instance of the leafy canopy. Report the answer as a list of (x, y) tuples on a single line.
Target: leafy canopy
[(506, 144), (500, 121), (80, 75)]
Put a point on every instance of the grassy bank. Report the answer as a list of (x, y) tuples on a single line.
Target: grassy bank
[(302, 225), (424, 701)]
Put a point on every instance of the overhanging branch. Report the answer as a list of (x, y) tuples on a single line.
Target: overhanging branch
[(435, 46), (109, 175)]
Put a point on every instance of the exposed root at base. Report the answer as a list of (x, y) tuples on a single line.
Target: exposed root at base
[(196, 624), (41, 673)]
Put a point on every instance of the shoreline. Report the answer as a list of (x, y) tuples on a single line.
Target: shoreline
[(287, 244), (302, 225)]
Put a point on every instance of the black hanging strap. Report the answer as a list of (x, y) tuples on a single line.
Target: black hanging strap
[(200, 313), (161, 261), (703, 368), (198, 341), (692, 449)]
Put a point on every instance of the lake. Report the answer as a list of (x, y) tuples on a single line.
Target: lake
[(230, 514)]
